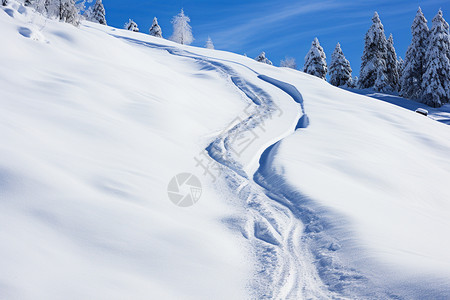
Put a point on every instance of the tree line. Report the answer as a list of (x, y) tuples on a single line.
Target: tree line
[(69, 11), (73, 11), (182, 30), (423, 76)]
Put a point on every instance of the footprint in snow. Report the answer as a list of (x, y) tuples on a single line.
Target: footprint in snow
[(31, 34), (9, 12)]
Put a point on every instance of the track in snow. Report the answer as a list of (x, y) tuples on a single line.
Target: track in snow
[(295, 255)]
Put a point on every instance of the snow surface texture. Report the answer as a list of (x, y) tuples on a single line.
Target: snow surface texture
[(441, 114), (337, 195)]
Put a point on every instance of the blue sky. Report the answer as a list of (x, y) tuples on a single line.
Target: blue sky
[(280, 28)]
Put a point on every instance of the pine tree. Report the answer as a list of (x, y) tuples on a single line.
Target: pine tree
[(131, 25), (289, 62), (373, 61), (382, 82), (262, 58), (315, 61), (355, 82), (209, 44), (182, 31), (155, 30), (38, 5), (340, 70), (436, 80), (392, 66), (400, 66), (97, 13), (414, 65), (4, 2), (64, 10)]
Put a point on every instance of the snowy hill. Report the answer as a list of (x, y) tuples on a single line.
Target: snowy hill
[(308, 191)]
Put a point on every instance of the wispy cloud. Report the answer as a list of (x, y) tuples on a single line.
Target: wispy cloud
[(262, 19)]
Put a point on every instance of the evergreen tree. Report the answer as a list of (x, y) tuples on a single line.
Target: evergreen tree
[(262, 58), (131, 25), (315, 61), (4, 2), (400, 66), (373, 61), (340, 70), (392, 66), (436, 80), (355, 81), (97, 13), (209, 44), (155, 30), (289, 62), (414, 65), (182, 31), (40, 6), (382, 82), (64, 10)]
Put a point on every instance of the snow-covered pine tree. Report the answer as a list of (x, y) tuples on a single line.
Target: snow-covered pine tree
[(262, 58), (414, 65), (400, 66), (97, 13), (182, 31), (392, 65), (355, 82), (373, 61), (340, 70), (209, 44), (382, 82), (436, 80), (131, 26), (155, 30), (38, 5), (316, 61), (65, 10), (44, 7), (289, 62)]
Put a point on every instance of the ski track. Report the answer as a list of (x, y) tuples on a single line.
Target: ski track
[(294, 252)]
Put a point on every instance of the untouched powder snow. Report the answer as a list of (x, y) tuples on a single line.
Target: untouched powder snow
[(441, 114), (312, 192)]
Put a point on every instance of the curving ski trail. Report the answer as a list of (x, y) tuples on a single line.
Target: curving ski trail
[(286, 267)]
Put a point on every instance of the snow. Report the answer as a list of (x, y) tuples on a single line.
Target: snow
[(381, 186), (337, 194), (441, 114), (422, 111), (92, 134)]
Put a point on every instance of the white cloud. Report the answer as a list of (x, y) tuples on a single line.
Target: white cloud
[(262, 18)]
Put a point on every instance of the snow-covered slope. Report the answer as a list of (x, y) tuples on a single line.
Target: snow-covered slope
[(311, 191), (441, 114)]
